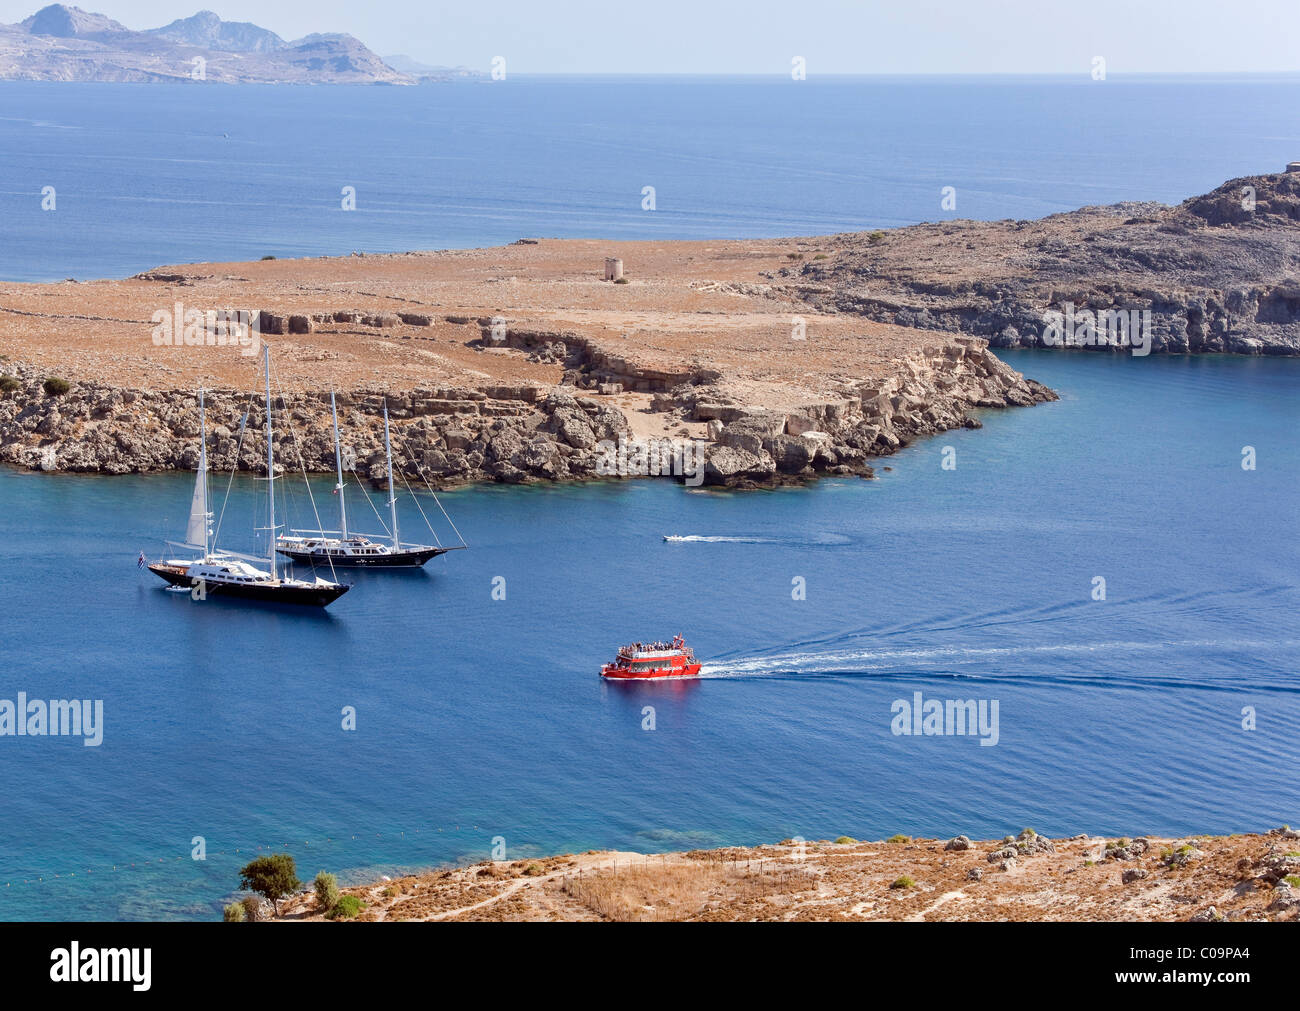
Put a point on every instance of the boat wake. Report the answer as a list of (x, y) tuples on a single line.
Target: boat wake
[(828, 539), (947, 661)]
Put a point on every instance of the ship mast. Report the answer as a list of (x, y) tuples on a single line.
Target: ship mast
[(270, 460), (203, 472), (392, 497), (338, 465)]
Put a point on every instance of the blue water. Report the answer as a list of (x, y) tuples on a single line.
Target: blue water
[(145, 175), (479, 718)]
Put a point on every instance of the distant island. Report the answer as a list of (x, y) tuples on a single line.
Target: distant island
[(61, 43)]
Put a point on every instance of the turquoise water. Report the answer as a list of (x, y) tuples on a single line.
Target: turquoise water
[(145, 175), (479, 718)]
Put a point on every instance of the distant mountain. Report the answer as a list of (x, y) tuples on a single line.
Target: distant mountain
[(62, 43), (208, 31), (72, 23)]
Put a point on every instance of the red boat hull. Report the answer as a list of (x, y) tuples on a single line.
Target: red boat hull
[(615, 673)]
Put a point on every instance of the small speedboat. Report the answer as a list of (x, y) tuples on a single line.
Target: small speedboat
[(640, 661)]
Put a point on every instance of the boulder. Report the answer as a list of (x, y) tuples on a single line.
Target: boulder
[(725, 465)]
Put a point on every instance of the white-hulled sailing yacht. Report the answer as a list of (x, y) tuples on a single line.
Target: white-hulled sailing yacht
[(223, 573), (358, 550)]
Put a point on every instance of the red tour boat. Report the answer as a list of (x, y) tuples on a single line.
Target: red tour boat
[(645, 660)]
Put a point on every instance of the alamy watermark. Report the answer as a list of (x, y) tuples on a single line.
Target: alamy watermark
[(922, 717), (82, 718), (1118, 328), (682, 458), (192, 328)]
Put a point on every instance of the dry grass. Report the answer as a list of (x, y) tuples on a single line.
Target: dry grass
[(851, 881)]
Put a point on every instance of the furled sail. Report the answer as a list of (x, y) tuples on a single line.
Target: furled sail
[(196, 532)]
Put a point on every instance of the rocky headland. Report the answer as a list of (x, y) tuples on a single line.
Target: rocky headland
[(514, 364), (774, 361), (1218, 273), (1026, 877)]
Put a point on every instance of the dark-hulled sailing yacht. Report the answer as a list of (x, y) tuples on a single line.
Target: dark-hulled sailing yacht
[(224, 573), (343, 549)]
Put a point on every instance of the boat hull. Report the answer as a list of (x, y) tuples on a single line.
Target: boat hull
[(279, 593), (614, 673), (395, 560)]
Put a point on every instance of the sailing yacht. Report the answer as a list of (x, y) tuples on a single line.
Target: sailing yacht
[(225, 573), (359, 550)]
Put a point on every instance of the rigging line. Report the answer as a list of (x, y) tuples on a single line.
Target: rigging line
[(369, 501), (293, 438), (436, 500), (421, 508), (239, 448)]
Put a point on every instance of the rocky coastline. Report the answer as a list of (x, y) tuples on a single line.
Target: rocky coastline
[(1216, 273), (759, 363), (518, 434), (1022, 877)]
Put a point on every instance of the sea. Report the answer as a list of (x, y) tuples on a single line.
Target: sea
[(1111, 579)]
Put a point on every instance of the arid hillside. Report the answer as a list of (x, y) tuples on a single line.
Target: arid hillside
[(1025, 877)]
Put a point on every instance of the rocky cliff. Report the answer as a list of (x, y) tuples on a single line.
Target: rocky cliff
[(1217, 273), (516, 434)]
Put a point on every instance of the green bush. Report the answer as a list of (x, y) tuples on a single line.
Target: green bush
[(900, 838), (327, 891), (821, 256), (233, 913), (56, 387), (533, 870), (794, 256), (347, 907), (252, 908), (268, 256), (846, 840), (876, 237), (1293, 880), (10, 383), (904, 882), (622, 280)]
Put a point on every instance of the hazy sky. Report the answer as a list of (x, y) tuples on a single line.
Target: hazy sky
[(761, 36)]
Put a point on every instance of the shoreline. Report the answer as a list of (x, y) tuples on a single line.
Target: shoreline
[(1240, 877)]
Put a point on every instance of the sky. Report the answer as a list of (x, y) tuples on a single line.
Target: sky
[(764, 36)]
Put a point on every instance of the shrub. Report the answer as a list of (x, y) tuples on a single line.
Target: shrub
[(268, 256), (273, 876), (327, 891), (904, 882), (347, 907), (623, 280), (846, 840), (533, 870), (252, 908), (10, 383), (794, 256), (56, 387), (233, 913), (876, 237), (821, 256), (1293, 880), (900, 838)]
